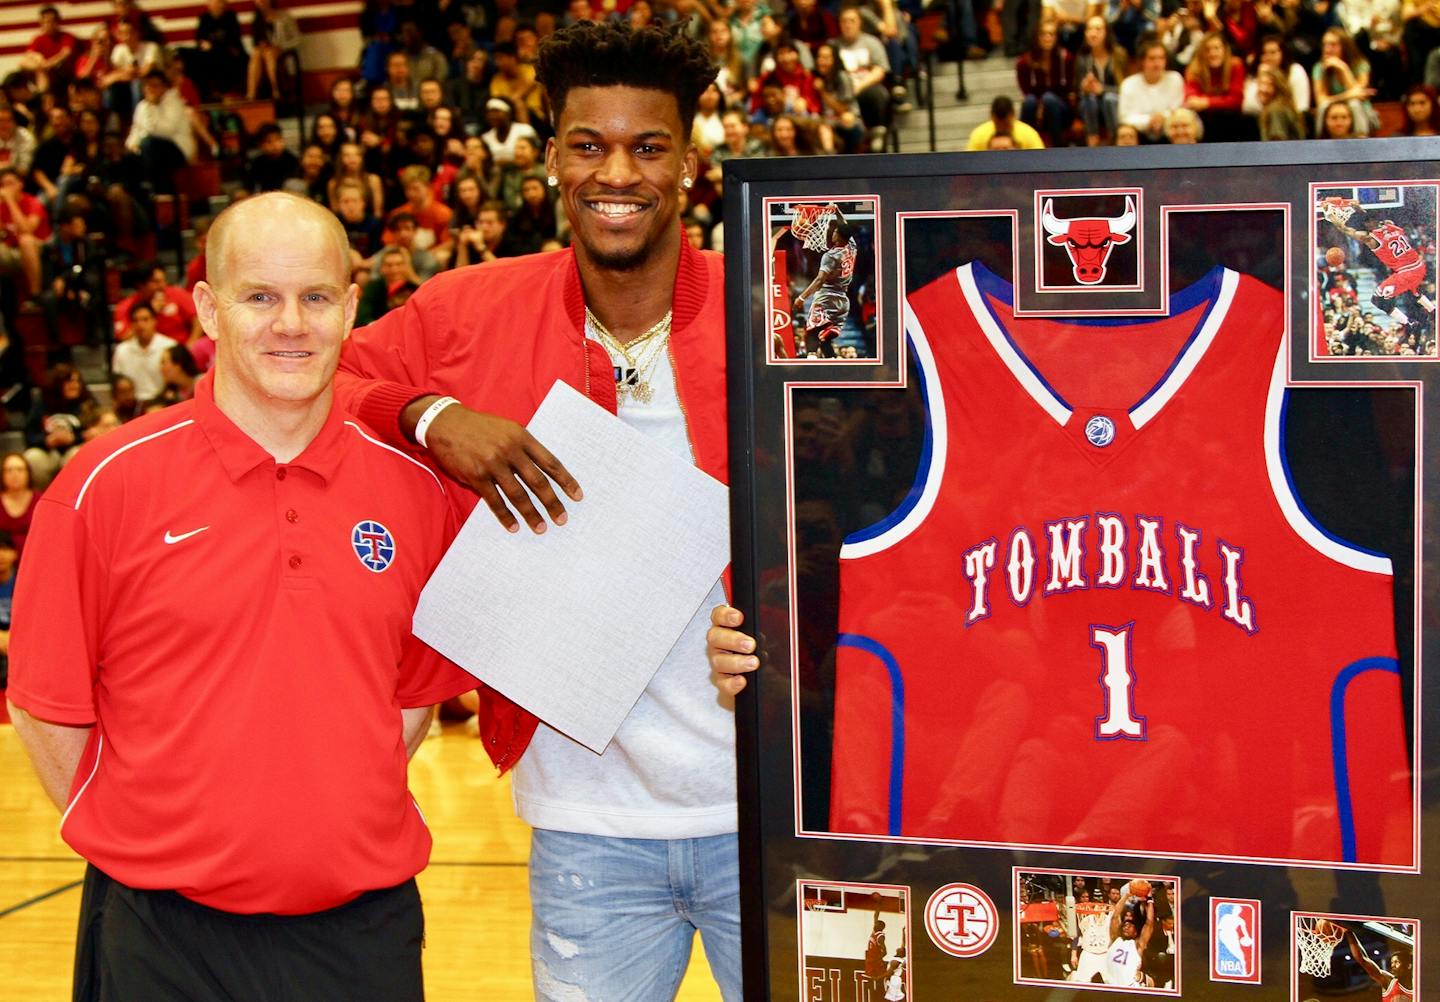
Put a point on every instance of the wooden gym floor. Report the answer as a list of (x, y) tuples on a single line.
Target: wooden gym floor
[(477, 908)]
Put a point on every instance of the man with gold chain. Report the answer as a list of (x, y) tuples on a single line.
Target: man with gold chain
[(634, 850)]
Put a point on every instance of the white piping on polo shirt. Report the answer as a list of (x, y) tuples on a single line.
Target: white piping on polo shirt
[(86, 785), (79, 498), (390, 448)]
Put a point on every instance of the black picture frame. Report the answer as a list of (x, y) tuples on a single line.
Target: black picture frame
[(1256, 208)]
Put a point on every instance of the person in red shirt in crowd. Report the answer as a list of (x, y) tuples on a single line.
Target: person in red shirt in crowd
[(175, 313), (50, 56), (432, 216), (17, 498), (801, 97), (257, 840), (26, 226), (812, 24), (1215, 90)]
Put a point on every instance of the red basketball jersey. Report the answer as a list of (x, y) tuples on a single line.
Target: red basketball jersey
[(1101, 618), (1397, 993), (1394, 249)]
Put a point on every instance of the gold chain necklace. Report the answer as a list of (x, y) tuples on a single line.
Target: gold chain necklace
[(635, 360)]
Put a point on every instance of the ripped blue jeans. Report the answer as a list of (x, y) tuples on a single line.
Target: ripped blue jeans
[(614, 919)]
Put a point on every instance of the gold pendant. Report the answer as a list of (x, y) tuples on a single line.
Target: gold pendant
[(641, 393)]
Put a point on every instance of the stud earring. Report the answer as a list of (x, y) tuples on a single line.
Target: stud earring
[(553, 181), (687, 184)]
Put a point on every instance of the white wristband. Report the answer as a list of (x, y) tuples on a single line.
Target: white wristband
[(431, 413)]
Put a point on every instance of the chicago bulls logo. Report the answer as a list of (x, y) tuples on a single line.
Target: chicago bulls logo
[(1089, 239)]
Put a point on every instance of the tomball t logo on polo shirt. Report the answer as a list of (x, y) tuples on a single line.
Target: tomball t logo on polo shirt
[(373, 545)]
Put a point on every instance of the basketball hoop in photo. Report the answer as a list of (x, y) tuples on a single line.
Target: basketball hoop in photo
[(854, 941), (822, 279), (1315, 942), (1364, 956)]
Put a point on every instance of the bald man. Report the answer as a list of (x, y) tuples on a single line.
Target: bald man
[(214, 675)]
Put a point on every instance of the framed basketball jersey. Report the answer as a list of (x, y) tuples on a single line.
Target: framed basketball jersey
[(1079, 503)]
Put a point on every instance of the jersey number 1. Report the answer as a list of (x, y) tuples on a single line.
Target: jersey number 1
[(1117, 684)]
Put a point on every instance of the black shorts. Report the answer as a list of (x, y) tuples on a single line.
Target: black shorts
[(159, 946)]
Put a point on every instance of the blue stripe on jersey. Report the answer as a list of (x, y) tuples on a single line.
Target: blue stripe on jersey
[(897, 720), (1299, 501), (922, 469), (1339, 749)]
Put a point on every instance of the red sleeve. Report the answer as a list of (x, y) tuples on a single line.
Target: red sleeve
[(1232, 100), (384, 366), (59, 596)]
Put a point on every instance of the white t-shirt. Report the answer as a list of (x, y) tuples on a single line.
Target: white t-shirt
[(503, 151), (670, 770), (142, 365)]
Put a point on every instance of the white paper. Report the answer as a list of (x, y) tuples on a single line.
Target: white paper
[(571, 624)]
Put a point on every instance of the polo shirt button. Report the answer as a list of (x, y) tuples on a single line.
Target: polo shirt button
[(295, 562), (280, 473), (292, 515)]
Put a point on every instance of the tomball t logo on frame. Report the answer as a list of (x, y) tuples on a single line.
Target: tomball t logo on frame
[(961, 920), (1235, 940), (373, 545)]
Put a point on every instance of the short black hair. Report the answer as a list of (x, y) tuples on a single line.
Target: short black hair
[(591, 54), (1002, 107), (140, 305)]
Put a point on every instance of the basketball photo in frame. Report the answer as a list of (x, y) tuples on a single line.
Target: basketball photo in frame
[(822, 279)]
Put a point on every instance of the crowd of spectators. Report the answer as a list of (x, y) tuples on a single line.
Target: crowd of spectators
[(1124, 72), (431, 150)]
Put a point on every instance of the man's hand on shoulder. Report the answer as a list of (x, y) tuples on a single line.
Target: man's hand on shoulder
[(502, 462)]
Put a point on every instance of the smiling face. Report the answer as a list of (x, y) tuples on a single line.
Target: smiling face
[(1215, 53), (1339, 122), (279, 305), (1095, 33), (620, 153)]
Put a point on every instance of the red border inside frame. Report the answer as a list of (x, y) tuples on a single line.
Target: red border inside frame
[(769, 257), (1255, 934), (1139, 241), (907, 899), (899, 383), (1313, 282), (1295, 966), (1015, 872)]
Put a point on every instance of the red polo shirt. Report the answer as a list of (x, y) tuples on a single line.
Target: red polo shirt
[(239, 634)]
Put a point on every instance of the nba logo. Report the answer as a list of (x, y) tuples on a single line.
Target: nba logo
[(1235, 940), (373, 544)]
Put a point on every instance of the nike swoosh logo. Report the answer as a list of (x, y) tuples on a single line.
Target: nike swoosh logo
[(170, 537)]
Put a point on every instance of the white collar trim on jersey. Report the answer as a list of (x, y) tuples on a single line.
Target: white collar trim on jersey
[(1034, 384)]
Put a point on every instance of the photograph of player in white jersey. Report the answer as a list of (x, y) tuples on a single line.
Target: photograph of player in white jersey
[(822, 279), (1374, 270), (1364, 958), (1104, 931), (854, 941)]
